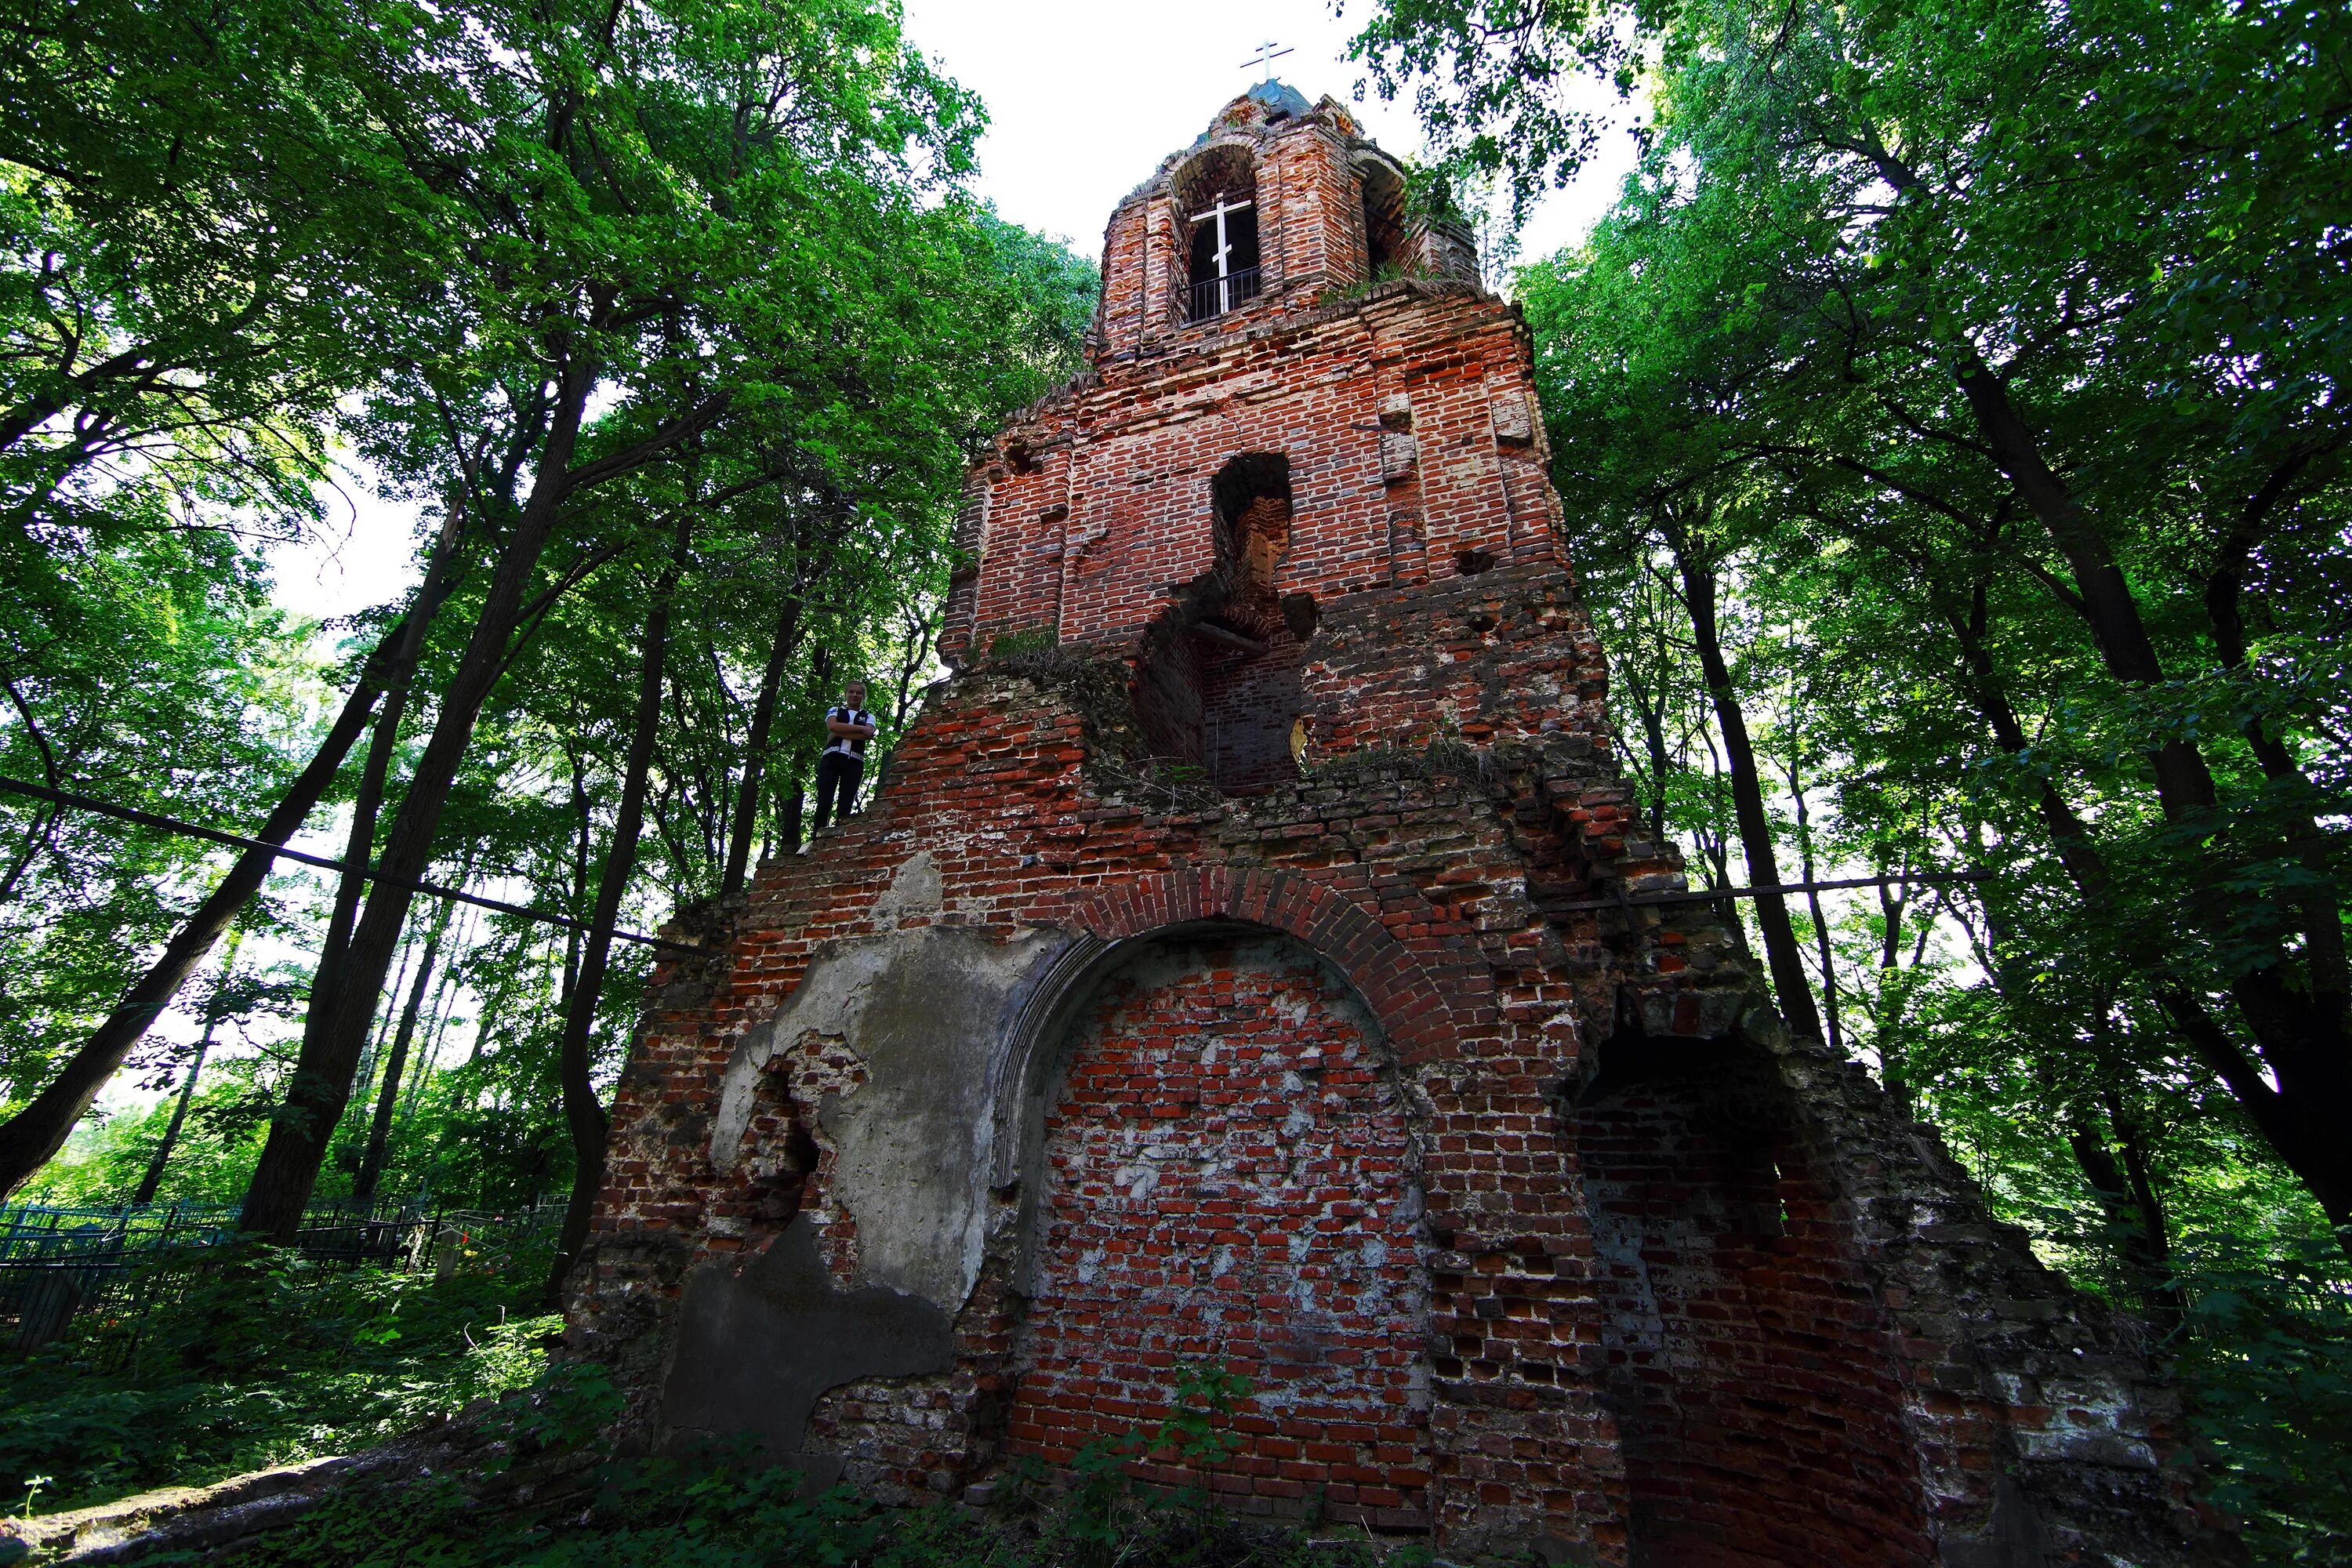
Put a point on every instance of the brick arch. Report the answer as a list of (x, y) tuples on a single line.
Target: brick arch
[(1423, 999), (1306, 1272)]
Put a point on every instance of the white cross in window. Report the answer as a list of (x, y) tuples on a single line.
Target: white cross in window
[(1224, 247)]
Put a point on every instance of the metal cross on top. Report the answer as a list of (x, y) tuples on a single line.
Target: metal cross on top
[(1264, 58)]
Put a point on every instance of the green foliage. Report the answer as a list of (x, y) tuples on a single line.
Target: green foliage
[(731, 236), (722, 1510), (2269, 1367), (264, 1360), (1908, 320), (1105, 1511), (723, 1507), (109, 1155), (153, 669), (1492, 80)]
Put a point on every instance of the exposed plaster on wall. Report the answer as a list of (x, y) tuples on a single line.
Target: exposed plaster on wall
[(924, 1012)]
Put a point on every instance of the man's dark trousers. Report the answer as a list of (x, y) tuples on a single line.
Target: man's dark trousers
[(837, 772)]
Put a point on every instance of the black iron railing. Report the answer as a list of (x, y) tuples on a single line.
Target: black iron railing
[(1215, 296), (61, 1265)]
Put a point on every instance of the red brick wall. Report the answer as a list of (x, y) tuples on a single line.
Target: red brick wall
[(1426, 882), (1315, 203), (1249, 703), (1411, 889), (1752, 1372), (1232, 1185), (1400, 415)]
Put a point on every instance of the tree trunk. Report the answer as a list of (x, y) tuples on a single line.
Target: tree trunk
[(380, 1035), (2298, 1023), (213, 1010), (577, 905), (442, 999), (919, 648), (1895, 992), (1781, 953), (395, 1064), (755, 746), (2138, 1218), (1653, 736), (2168, 1304), (795, 806), (326, 977), (436, 1014), (581, 1112), (2329, 975), (2183, 784), (286, 1171), (2300, 1119), (31, 1137), (1813, 906)]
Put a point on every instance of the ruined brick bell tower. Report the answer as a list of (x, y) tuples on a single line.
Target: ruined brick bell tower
[(1234, 971)]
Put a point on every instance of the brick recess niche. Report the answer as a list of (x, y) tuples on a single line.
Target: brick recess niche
[(1216, 982)]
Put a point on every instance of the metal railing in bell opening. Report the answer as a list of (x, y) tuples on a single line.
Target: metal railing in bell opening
[(1215, 296), (62, 1264)]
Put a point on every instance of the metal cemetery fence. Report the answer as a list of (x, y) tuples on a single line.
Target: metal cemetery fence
[(60, 1264)]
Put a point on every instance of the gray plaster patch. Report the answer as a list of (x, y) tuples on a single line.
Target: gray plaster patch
[(914, 890), (756, 1349), (928, 1012)]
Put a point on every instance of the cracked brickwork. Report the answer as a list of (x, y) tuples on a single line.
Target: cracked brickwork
[(1531, 1225)]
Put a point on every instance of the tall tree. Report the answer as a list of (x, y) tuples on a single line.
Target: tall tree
[(1995, 261), (628, 241), (1684, 520), (215, 1008), (395, 1065), (583, 1113), (30, 1137)]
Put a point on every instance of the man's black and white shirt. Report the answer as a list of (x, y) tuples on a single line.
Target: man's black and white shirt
[(848, 745)]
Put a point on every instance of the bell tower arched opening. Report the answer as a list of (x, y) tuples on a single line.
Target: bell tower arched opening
[(1216, 205), (1387, 235)]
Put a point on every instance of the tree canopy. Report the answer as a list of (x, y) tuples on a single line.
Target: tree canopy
[(1952, 414), (674, 325)]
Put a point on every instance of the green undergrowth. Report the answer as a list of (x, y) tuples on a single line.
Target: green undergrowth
[(265, 1359), (726, 1513), (721, 1507)]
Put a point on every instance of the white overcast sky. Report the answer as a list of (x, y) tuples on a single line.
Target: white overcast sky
[(1084, 99)]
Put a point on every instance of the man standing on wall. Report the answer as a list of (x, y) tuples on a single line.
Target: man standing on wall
[(841, 766)]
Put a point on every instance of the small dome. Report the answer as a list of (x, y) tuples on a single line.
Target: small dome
[(1280, 95), (1261, 105)]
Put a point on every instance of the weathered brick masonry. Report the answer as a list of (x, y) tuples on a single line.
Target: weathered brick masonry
[(1206, 986)]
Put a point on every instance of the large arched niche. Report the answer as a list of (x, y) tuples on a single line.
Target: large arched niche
[(1219, 1165), (1744, 1353)]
